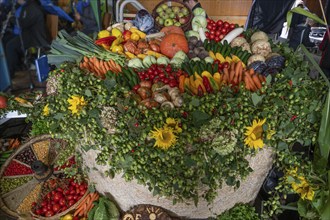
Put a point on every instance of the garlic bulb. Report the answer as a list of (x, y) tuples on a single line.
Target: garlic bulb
[(167, 105)]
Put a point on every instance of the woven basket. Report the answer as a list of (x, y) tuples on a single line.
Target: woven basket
[(186, 26)]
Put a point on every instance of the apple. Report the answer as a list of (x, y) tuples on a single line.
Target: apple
[(168, 22), (180, 15), (159, 10), (184, 20), (164, 6), (172, 15), (177, 24), (185, 11), (176, 9), (3, 102), (161, 21), (163, 15), (168, 11)]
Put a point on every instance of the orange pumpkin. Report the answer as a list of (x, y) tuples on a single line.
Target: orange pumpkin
[(173, 43), (172, 30)]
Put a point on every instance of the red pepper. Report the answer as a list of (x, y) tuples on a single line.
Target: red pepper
[(106, 40), (207, 85), (200, 91)]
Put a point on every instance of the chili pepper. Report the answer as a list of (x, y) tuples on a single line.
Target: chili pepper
[(207, 84), (200, 91)]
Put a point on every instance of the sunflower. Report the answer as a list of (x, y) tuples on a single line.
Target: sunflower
[(254, 134), (76, 104), (164, 137), (303, 188), (45, 111), (172, 123)]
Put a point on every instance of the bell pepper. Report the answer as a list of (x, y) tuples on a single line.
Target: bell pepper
[(135, 37), (117, 42), (103, 34), (217, 78), (207, 74), (117, 49), (140, 33), (106, 42), (207, 85), (127, 35)]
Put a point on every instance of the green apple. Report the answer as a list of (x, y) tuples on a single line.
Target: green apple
[(176, 9), (161, 21), (168, 22), (177, 24), (159, 10), (168, 11), (163, 15), (172, 15), (164, 6), (180, 15), (185, 11)]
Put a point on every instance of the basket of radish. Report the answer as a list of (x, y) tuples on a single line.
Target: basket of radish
[(59, 197)]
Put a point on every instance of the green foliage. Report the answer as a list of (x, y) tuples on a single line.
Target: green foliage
[(239, 212)]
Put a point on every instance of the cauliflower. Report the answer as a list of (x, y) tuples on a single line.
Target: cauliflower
[(259, 35), (261, 47), (254, 58), (246, 46), (225, 142), (238, 41)]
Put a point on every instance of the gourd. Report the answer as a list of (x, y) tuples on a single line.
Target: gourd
[(172, 30), (173, 43)]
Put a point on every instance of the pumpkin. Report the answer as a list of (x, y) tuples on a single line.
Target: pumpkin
[(173, 43), (172, 30)]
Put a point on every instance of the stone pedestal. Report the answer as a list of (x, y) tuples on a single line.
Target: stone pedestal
[(129, 194)]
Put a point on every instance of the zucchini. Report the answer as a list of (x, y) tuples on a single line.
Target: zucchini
[(223, 49)]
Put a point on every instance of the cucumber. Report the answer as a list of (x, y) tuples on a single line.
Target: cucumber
[(227, 51), (240, 54), (205, 43), (209, 68), (234, 50), (215, 68)]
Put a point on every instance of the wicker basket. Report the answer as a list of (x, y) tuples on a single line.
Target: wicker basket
[(186, 26)]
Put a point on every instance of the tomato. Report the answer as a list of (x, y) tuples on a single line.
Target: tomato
[(207, 34), (82, 192), (72, 192), (75, 197), (217, 33), (44, 209), (59, 189), (49, 195), (56, 208), (63, 208), (49, 213), (49, 207), (224, 30), (71, 202), (221, 36), (232, 26), (62, 202), (172, 83), (212, 36), (219, 23), (166, 80), (39, 211), (69, 197)]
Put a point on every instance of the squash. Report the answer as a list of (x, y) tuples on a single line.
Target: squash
[(172, 30), (173, 43)]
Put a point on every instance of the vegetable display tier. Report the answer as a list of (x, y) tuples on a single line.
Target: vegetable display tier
[(175, 12), (30, 175)]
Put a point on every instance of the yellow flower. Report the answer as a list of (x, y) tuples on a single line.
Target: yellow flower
[(270, 134), (76, 104), (303, 188), (254, 134), (46, 110), (173, 124), (164, 137)]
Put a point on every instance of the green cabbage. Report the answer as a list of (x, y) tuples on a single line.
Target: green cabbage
[(149, 60), (163, 61), (198, 22), (209, 60), (191, 34), (135, 63), (199, 11)]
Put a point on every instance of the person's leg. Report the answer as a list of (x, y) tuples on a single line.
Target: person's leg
[(13, 55)]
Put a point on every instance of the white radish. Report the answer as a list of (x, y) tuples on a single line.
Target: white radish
[(232, 35), (202, 36)]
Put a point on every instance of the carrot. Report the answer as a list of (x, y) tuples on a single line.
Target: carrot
[(262, 78), (88, 208), (251, 82), (119, 67), (232, 72), (225, 75), (107, 66), (238, 71), (113, 65), (256, 81), (103, 69), (251, 71)]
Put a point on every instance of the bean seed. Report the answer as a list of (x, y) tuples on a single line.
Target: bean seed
[(41, 149), (26, 204)]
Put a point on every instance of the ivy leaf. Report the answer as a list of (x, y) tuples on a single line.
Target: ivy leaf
[(256, 98), (268, 79), (199, 118), (59, 116), (88, 93), (195, 102)]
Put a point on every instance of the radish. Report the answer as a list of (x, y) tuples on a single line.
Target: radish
[(232, 35)]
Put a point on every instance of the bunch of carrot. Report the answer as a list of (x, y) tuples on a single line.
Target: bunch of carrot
[(235, 74), (99, 67), (86, 205)]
